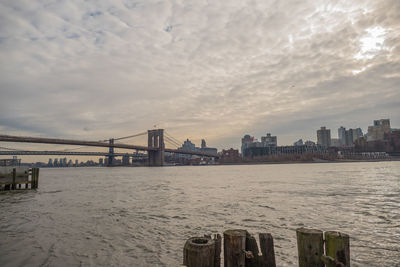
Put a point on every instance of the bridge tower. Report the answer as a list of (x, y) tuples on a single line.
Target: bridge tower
[(156, 140), (111, 153)]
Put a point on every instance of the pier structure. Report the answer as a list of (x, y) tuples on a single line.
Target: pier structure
[(13, 177)]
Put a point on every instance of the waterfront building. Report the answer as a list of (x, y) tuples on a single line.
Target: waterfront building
[(188, 146), (249, 142), (229, 156), (298, 142), (349, 137), (357, 133), (335, 142), (379, 129), (269, 140), (324, 137), (125, 159), (252, 152), (309, 143)]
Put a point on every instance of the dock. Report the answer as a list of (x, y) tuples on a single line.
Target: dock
[(16, 177)]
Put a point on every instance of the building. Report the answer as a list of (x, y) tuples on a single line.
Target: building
[(203, 143), (342, 136), (335, 142), (309, 143), (247, 140), (324, 137), (253, 152), (229, 156), (298, 142), (269, 140), (379, 129), (125, 159), (348, 137), (188, 146)]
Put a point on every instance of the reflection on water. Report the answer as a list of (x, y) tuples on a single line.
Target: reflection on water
[(142, 216)]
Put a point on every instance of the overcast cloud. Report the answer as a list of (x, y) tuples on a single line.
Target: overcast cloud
[(199, 69)]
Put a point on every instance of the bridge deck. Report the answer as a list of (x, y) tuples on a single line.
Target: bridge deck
[(41, 140)]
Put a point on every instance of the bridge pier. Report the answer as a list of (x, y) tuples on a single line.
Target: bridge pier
[(156, 140), (111, 153)]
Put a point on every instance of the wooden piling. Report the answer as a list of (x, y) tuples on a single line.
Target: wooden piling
[(218, 247), (37, 177), (337, 246), (199, 252), (14, 176), (32, 178), (252, 258), (267, 250), (310, 247), (234, 248)]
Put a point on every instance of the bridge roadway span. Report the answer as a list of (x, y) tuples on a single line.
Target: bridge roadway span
[(67, 153), (41, 140)]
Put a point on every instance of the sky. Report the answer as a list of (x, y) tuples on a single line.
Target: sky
[(199, 69)]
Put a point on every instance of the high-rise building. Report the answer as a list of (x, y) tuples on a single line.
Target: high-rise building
[(324, 137), (349, 137), (379, 129), (357, 133), (342, 136)]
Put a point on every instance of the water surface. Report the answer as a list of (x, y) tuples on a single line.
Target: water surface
[(142, 216)]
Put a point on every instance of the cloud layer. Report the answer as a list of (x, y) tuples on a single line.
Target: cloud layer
[(200, 69)]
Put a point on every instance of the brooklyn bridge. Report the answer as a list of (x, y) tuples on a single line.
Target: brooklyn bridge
[(155, 149)]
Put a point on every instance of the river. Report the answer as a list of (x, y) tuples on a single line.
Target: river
[(142, 216)]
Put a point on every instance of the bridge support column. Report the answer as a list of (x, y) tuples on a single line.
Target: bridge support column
[(156, 140), (110, 153)]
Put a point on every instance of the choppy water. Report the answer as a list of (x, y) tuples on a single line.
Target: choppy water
[(142, 216)]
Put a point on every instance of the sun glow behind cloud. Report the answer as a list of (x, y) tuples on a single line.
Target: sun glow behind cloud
[(372, 43)]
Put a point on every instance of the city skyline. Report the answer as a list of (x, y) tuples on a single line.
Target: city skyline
[(94, 71)]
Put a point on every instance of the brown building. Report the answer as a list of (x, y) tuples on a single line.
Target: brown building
[(379, 129), (230, 156)]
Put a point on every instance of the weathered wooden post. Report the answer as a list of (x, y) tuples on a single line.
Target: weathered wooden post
[(337, 246), (199, 252), (218, 247), (37, 177), (310, 245), (267, 250), (234, 248), (14, 176), (253, 259), (33, 178)]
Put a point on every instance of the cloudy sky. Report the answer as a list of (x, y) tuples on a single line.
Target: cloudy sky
[(200, 69)]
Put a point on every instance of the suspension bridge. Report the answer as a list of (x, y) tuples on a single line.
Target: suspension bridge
[(155, 148)]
